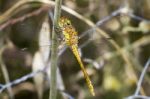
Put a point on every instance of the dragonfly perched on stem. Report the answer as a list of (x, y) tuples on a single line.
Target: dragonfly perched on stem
[(71, 39)]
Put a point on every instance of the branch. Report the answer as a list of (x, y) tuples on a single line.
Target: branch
[(54, 48)]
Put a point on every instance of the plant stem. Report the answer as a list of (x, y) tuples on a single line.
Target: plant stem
[(54, 48), (5, 71)]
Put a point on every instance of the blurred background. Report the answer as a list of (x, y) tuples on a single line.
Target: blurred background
[(114, 43)]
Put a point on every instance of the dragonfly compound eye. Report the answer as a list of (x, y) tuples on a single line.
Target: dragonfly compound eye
[(68, 22)]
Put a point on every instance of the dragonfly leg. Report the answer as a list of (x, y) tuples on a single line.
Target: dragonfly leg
[(58, 32)]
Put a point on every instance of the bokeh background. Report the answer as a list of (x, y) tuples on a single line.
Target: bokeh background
[(114, 45)]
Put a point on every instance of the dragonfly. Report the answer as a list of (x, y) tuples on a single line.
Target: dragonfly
[(71, 39)]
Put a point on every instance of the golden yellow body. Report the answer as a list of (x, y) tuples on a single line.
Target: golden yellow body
[(71, 39)]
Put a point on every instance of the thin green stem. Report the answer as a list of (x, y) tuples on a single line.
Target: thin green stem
[(5, 71), (54, 48)]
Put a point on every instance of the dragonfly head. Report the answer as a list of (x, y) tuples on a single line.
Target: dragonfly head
[(64, 22)]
